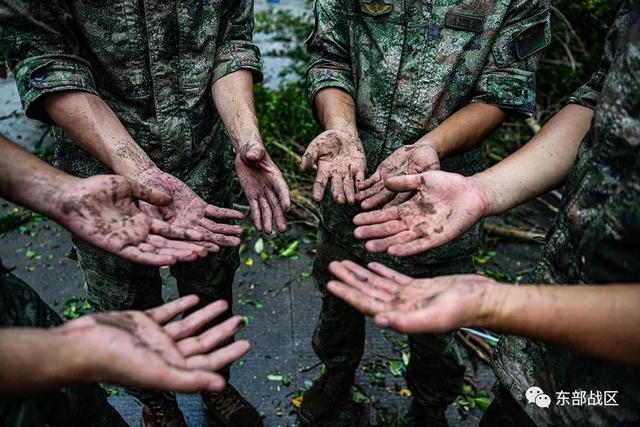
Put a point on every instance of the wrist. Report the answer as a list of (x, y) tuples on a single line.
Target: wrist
[(55, 193), (485, 195), (433, 142), (492, 305)]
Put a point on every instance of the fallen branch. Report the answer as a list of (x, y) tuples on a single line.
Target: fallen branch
[(477, 350), (514, 233)]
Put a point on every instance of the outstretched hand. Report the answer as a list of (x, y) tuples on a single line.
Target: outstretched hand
[(145, 349), (186, 209), (408, 160), (444, 206), (102, 211), (264, 186), (340, 158), (412, 305)]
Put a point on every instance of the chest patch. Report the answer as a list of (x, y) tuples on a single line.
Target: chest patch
[(376, 7), (464, 21)]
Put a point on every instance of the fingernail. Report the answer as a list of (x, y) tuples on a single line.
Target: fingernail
[(213, 386), (382, 321)]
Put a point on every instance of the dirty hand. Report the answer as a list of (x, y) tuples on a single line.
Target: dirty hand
[(144, 349), (407, 160), (102, 211), (444, 206), (264, 186), (188, 210), (340, 158), (412, 305)]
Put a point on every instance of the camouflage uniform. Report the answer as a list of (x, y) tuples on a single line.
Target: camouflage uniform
[(86, 405), (594, 240), (409, 65), (153, 63)]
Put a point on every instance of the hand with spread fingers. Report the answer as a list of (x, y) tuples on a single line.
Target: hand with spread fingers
[(444, 206), (102, 211), (412, 305), (146, 349), (264, 186), (340, 158), (188, 210), (408, 160)]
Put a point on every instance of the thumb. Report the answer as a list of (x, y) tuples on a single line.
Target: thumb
[(402, 183), (253, 152), (309, 157), (150, 194)]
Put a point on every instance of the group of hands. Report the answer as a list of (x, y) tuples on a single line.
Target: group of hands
[(410, 206)]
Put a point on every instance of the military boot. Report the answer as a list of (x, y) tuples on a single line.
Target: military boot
[(428, 416), (162, 410), (323, 399), (230, 409)]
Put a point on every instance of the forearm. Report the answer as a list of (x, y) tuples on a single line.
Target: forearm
[(95, 127), (29, 181), (600, 321), (33, 360), (541, 165), (336, 110), (233, 98), (464, 129)]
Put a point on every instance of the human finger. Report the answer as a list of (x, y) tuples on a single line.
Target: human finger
[(389, 273), (216, 212), (383, 197), (310, 157), (348, 188), (356, 298), (149, 194), (319, 186), (336, 189), (366, 183), (377, 231), (267, 216), (168, 311), (377, 216), (132, 253), (165, 229), (381, 245), (404, 183), (278, 213), (196, 320), (211, 338), (220, 358), (412, 248)]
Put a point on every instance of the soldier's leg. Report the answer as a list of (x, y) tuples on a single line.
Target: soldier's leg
[(20, 306), (112, 283), (504, 411), (338, 339)]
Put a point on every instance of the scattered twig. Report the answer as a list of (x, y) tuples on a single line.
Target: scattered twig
[(477, 350), (514, 233)]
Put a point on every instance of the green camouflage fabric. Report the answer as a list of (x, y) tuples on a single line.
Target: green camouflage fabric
[(85, 405), (409, 66), (594, 240), (153, 63)]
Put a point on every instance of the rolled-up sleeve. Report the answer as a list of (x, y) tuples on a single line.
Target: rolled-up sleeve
[(236, 49), (328, 47), (42, 51), (508, 79)]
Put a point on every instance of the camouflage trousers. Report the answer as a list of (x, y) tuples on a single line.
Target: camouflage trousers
[(82, 405), (434, 375), (115, 284)]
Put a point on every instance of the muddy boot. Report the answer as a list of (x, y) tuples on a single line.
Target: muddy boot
[(162, 410), (230, 409), (324, 398), (428, 416)]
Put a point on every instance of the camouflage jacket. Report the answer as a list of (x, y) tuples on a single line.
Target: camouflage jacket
[(411, 64), (153, 62), (594, 240)]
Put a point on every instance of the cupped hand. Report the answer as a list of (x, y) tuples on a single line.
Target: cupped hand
[(412, 305), (102, 211), (444, 206), (340, 158), (264, 186), (144, 349), (188, 210), (407, 160)]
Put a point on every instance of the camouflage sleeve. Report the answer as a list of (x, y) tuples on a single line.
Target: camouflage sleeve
[(236, 49), (588, 94), (328, 47), (42, 51), (508, 79)]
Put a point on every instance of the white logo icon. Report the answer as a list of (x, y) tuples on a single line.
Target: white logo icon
[(537, 396)]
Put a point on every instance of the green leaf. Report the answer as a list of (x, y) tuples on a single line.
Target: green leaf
[(396, 368), (290, 250), (258, 247), (483, 402), (273, 377), (30, 254), (358, 397)]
